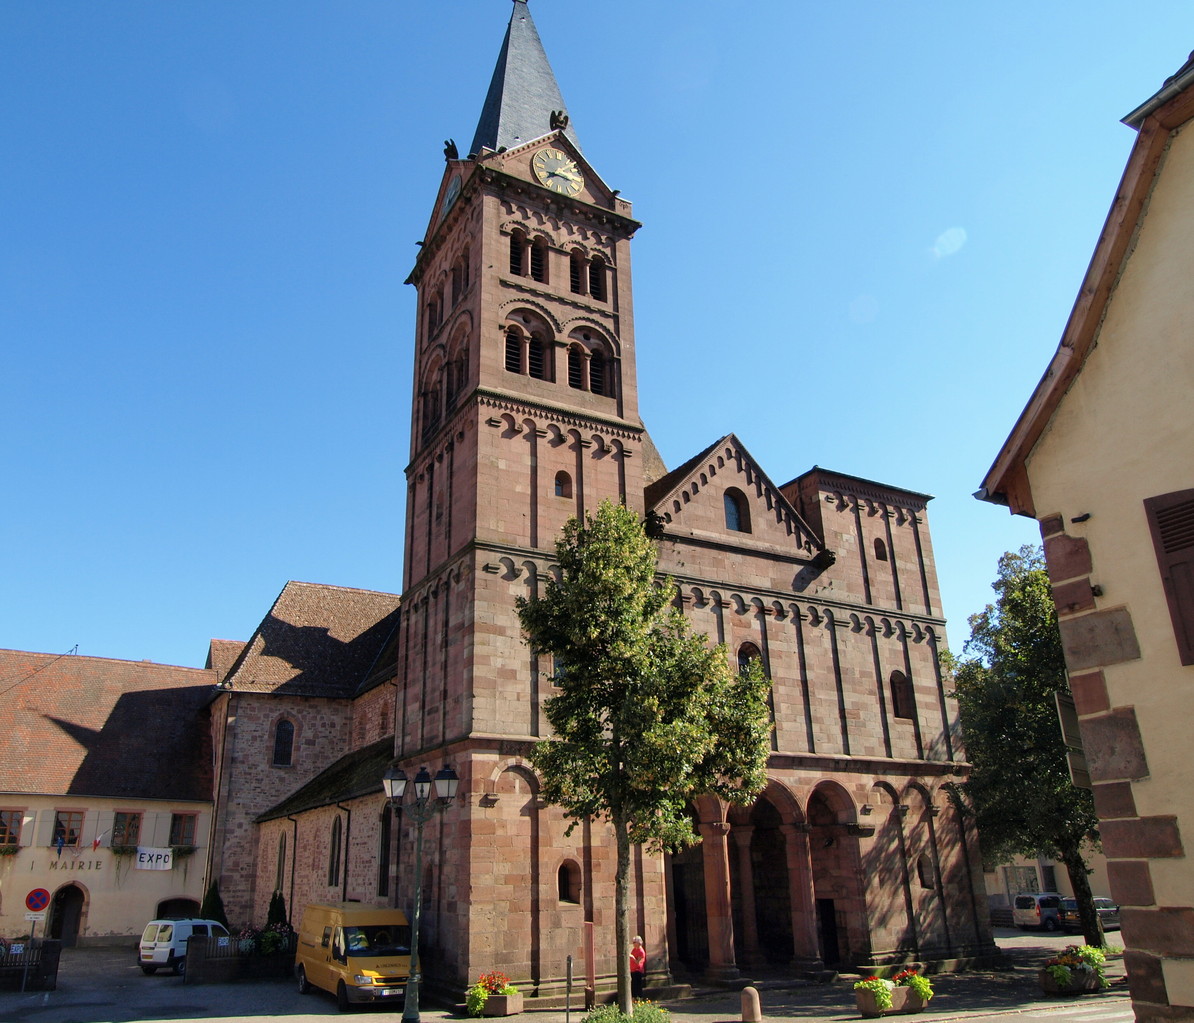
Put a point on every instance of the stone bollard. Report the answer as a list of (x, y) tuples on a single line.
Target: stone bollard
[(751, 1013)]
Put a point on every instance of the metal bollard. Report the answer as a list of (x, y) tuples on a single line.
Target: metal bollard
[(751, 1012)]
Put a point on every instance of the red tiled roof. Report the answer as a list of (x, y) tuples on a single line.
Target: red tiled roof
[(99, 727), (317, 641), (222, 655)]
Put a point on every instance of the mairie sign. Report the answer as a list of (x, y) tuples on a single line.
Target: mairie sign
[(154, 859)]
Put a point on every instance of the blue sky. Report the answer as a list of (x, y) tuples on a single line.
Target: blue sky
[(864, 228)]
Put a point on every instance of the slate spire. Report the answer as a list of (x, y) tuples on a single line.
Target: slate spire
[(523, 93)]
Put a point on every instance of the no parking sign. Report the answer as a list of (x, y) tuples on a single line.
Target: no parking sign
[(37, 900)]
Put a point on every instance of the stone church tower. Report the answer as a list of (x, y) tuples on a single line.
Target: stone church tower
[(525, 413)]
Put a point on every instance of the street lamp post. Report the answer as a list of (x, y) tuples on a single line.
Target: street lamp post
[(420, 811)]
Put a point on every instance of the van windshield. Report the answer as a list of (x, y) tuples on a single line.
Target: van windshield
[(377, 940)]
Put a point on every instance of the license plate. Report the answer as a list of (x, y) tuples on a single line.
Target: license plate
[(389, 992)]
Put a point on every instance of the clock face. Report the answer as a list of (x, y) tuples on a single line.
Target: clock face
[(451, 193), (557, 171)]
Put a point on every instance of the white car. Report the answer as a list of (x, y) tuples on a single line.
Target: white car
[(164, 942)]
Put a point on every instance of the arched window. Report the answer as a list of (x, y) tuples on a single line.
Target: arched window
[(597, 380), (746, 653), (465, 272), (539, 261), (518, 246), (457, 286), (568, 882), (513, 350), (737, 511), (283, 743), (880, 550), (563, 484), (576, 273), (536, 358), (334, 854), (280, 871), (903, 703), (576, 370), (384, 833), (597, 278), (924, 871), (432, 404)]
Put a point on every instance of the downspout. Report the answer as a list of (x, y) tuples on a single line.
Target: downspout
[(347, 836), (293, 854)]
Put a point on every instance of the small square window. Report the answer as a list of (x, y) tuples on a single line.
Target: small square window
[(10, 826), (182, 828), (68, 826), (126, 829)]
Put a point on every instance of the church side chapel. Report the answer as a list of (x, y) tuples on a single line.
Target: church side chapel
[(525, 413)]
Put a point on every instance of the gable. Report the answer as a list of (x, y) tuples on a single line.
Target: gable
[(722, 493)]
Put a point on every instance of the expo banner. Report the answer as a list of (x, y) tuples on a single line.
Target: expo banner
[(154, 859)]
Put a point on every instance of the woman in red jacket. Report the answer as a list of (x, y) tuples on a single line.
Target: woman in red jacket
[(638, 967)]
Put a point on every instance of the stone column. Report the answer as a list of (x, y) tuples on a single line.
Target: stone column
[(806, 952), (748, 946), (715, 860)]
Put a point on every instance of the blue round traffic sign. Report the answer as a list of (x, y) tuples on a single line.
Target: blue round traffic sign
[(37, 900)]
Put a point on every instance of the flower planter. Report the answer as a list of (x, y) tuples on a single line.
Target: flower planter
[(503, 1005), (1081, 982), (903, 1000)]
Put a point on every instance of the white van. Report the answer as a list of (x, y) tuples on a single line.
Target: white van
[(164, 942), (358, 953)]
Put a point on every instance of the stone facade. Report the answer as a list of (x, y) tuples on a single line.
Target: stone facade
[(525, 413)]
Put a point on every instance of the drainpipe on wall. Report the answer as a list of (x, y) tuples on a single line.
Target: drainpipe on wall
[(293, 854), (347, 835)]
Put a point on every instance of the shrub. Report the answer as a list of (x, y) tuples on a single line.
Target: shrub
[(644, 1012)]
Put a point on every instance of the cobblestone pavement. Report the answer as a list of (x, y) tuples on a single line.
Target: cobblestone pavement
[(105, 986)]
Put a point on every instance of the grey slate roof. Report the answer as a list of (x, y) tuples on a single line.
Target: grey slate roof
[(523, 91)]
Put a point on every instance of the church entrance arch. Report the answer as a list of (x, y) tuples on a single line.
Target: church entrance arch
[(841, 916), (688, 928), (66, 914)]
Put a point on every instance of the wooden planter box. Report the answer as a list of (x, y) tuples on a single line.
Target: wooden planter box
[(903, 1000), (503, 1005), (1081, 982)]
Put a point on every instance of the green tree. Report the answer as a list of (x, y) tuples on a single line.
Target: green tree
[(648, 715), (213, 905), (276, 914), (1019, 790)]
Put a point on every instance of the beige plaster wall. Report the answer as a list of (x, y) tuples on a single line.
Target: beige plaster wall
[(118, 898), (1125, 432)]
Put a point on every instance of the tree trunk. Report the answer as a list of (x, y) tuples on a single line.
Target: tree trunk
[(1075, 865), (622, 914)]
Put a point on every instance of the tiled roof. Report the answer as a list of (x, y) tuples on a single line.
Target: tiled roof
[(222, 654), (356, 774), (91, 726), (317, 641)]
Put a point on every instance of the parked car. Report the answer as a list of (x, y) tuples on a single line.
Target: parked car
[(164, 942), (1037, 910), (1108, 914), (358, 953)]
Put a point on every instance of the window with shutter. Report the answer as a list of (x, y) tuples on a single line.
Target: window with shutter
[(1171, 522)]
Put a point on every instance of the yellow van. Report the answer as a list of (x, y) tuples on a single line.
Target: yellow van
[(359, 953)]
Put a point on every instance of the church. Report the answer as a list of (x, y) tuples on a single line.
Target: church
[(525, 413)]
